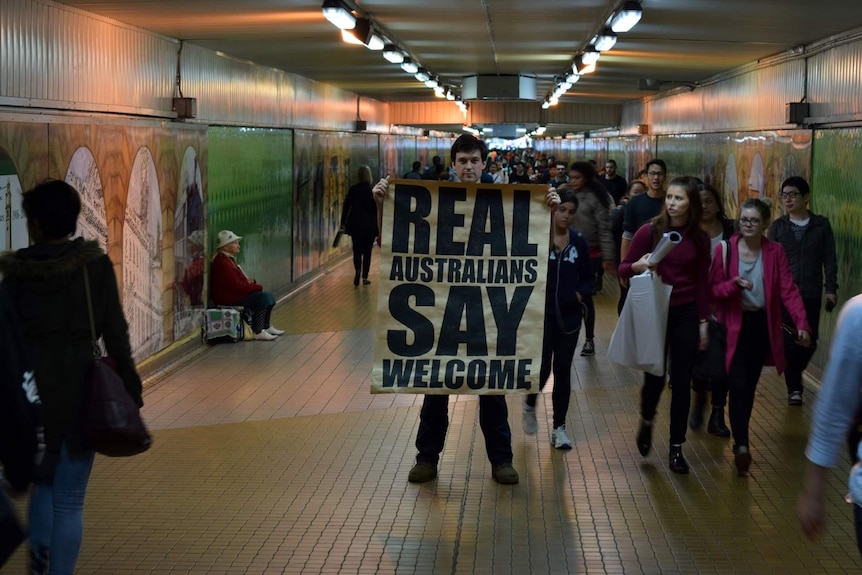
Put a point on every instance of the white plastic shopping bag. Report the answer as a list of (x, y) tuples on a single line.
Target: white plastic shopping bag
[(639, 338)]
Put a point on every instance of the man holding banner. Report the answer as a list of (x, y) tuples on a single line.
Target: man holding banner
[(462, 268)]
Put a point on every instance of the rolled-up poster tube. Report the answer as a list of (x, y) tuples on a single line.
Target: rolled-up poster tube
[(668, 241)]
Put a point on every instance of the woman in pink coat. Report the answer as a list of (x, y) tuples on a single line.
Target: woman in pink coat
[(748, 297)]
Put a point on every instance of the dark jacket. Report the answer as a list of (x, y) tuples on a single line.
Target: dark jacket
[(46, 284), (228, 283), (569, 273), (19, 400), (359, 216), (810, 258)]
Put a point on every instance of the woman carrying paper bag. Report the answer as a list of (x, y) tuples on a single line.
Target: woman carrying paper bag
[(686, 268)]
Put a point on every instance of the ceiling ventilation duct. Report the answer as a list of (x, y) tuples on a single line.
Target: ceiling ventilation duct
[(498, 88)]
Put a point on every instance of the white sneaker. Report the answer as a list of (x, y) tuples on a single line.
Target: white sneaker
[(272, 330), (264, 336), (559, 439), (528, 419)]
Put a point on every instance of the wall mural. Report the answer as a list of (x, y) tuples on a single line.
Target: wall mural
[(189, 246), (325, 167), (142, 258), (251, 194), (14, 224), (836, 163), (83, 175)]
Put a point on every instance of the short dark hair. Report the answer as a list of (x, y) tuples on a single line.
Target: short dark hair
[(610, 161), (656, 162), (55, 206), (567, 195), (469, 143), (797, 182)]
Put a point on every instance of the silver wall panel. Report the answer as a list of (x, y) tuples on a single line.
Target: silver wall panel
[(835, 82), (55, 56)]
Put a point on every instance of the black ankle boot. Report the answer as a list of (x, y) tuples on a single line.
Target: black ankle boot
[(695, 421), (356, 280), (677, 462), (716, 424), (644, 438)]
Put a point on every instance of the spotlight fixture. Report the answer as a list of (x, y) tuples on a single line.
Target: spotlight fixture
[(449, 95), (339, 14), (572, 78), (375, 42), (422, 75), (590, 55), (392, 54), (361, 32), (605, 40), (433, 82), (440, 92), (627, 16), (580, 67), (409, 66), (546, 104)]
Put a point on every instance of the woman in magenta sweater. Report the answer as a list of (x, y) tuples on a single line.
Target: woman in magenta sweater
[(748, 297), (686, 268)]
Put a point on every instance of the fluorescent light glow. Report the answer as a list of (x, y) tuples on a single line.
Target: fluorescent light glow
[(487, 130), (450, 96), (590, 55), (392, 54), (546, 104), (572, 78), (626, 17), (580, 67), (409, 66), (554, 100), (375, 42), (440, 92), (338, 14), (347, 36), (520, 130), (605, 41), (470, 130)]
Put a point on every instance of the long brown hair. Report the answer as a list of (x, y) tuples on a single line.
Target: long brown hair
[(661, 223)]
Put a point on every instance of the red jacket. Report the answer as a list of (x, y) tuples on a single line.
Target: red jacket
[(778, 287), (228, 284)]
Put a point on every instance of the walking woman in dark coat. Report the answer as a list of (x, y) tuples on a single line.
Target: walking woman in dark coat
[(45, 282), (359, 220)]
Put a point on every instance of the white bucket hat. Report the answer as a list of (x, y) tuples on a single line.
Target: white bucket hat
[(226, 237)]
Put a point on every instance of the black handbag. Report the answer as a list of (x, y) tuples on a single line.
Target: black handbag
[(709, 365), (112, 423)]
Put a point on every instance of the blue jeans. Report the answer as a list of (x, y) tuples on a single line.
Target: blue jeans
[(57, 511)]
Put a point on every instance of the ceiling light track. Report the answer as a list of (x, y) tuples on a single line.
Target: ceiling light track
[(357, 27)]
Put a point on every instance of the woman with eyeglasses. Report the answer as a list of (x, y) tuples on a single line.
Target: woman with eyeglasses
[(748, 297), (718, 227), (686, 268)]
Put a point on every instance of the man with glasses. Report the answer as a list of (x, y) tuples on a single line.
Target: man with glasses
[(810, 247), (644, 207)]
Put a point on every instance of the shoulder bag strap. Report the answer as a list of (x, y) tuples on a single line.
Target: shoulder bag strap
[(96, 352)]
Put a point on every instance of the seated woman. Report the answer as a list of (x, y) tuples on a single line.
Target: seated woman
[(230, 286)]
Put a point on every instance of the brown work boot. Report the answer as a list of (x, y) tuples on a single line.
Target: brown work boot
[(504, 474)]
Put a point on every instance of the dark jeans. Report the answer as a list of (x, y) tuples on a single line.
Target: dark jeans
[(797, 356), (751, 351), (259, 304), (493, 419), (683, 333), (590, 307), (558, 350), (362, 246)]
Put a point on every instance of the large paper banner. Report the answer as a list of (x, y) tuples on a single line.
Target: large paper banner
[(462, 288)]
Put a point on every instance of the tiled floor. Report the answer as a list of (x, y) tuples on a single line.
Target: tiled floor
[(274, 458)]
